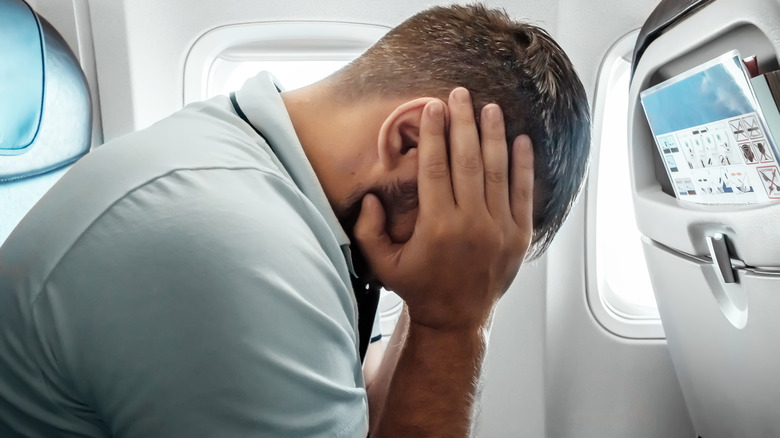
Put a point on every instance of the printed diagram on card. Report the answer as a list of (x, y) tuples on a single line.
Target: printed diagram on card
[(724, 162)]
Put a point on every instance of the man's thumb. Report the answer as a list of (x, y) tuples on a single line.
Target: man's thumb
[(370, 231)]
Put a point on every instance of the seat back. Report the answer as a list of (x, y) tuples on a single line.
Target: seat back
[(715, 269), (45, 111)]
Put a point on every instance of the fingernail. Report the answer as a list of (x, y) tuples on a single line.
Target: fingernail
[(369, 199), (461, 95), (492, 112), (523, 142), (435, 109)]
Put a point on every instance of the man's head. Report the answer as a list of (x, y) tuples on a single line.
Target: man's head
[(516, 65)]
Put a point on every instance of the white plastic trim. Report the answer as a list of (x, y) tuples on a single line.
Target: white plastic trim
[(619, 323)]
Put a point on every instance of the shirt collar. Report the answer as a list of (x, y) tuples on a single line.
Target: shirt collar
[(263, 106)]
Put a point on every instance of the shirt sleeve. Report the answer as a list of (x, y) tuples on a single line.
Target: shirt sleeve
[(196, 307)]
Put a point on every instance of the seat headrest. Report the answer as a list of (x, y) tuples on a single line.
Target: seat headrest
[(45, 108), (21, 95)]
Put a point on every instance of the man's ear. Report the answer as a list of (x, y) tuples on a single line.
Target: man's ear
[(400, 131)]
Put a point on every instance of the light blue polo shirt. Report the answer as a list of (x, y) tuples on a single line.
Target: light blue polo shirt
[(181, 281)]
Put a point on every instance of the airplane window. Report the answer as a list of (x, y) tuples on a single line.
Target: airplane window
[(624, 302), (296, 53), (620, 264)]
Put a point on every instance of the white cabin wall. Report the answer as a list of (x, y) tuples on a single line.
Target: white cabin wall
[(513, 398), (599, 384), (61, 16), (588, 29)]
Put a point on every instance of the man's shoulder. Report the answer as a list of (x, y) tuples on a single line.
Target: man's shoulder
[(201, 135), (169, 166), (219, 208)]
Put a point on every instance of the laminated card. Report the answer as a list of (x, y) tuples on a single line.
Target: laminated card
[(712, 135)]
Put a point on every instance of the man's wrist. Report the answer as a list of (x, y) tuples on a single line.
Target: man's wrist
[(472, 337), (479, 325)]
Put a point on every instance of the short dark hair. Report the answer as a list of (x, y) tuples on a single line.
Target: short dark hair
[(516, 65)]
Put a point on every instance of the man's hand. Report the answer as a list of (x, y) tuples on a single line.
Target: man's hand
[(473, 228), (474, 223)]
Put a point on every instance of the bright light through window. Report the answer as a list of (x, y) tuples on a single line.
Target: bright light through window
[(229, 76), (390, 308), (623, 279)]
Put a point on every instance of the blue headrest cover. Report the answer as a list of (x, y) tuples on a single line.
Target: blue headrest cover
[(45, 109), (21, 89)]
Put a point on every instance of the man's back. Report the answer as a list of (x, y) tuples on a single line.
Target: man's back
[(150, 306)]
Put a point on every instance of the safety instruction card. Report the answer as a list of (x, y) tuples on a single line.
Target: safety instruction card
[(712, 135)]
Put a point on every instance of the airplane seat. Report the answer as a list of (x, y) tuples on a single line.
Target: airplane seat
[(715, 269), (665, 15), (45, 111)]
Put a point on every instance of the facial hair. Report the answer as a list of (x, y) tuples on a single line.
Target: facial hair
[(397, 199)]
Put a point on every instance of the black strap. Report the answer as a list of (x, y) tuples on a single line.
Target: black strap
[(241, 114), (367, 297), (368, 304)]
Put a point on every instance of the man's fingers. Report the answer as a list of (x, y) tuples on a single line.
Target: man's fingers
[(496, 158), (433, 179), (465, 154), (371, 235), (522, 182)]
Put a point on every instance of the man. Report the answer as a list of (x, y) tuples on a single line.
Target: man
[(193, 279)]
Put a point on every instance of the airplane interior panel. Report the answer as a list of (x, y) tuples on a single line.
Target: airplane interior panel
[(714, 309), (657, 320)]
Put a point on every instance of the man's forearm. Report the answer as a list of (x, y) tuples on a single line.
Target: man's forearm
[(378, 388), (434, 384)]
